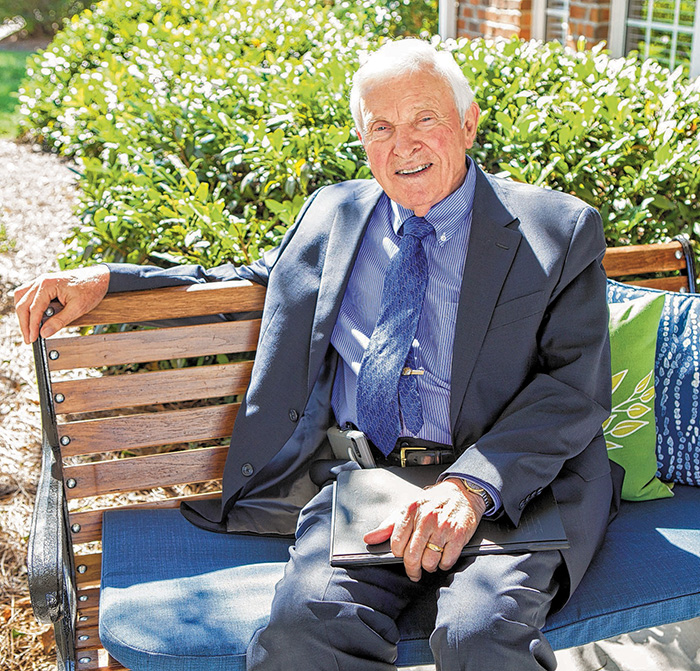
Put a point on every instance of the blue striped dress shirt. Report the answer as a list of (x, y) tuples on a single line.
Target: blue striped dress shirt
[(446, 251)]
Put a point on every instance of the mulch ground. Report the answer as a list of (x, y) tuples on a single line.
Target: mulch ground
[(37, 193)]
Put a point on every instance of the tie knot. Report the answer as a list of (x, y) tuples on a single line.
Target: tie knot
[(418, 227)]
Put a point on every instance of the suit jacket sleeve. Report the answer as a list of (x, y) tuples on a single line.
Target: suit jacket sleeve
[(560, 408)]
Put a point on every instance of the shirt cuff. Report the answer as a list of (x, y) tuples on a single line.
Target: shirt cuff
[(490, 489)]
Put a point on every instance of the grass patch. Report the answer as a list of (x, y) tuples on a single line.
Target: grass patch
[(12, 69)]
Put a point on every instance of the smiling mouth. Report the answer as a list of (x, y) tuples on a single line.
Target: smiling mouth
[(414, 171)]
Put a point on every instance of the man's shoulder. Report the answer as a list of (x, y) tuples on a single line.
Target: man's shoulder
[(516, 195), (550, 220)]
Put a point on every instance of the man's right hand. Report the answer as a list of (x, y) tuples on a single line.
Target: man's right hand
[(79, 291)]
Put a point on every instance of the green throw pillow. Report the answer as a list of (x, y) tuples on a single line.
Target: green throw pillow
[(630, 431)]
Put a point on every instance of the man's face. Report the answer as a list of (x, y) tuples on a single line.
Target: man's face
[(415, 140)]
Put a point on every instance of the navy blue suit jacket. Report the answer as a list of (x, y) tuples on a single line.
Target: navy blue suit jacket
[(530, 371)]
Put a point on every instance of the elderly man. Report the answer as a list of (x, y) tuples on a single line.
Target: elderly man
[(436, 307)]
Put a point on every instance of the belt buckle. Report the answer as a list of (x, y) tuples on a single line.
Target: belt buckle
[(405, 450)]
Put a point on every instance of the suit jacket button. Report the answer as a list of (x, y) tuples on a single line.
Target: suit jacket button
[(247, 469), (293, 415)]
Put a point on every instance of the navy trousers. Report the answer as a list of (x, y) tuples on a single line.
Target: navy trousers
[(490, 609)]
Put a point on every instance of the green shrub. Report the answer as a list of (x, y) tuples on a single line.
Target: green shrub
[(202, 128), (621, 134)]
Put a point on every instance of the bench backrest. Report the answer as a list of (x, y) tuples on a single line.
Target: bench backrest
[(155, 430), (665, 265)]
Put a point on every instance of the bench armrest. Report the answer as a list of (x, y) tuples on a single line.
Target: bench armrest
[(49, 560)]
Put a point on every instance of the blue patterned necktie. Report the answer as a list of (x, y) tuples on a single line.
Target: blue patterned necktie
[(383, 392)]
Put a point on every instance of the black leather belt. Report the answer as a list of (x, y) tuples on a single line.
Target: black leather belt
[(415, 452)]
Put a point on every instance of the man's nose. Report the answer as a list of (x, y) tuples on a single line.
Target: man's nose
[(406, 140)]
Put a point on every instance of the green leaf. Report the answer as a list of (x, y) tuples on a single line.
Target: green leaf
[(644, 382), (202, 192), (637, 410), (617, 379), (627, 428)]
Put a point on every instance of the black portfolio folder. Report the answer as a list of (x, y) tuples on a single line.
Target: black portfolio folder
[(363, 498)]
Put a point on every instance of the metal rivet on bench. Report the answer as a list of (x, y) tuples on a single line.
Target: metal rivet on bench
[(83, 618), (75, 528), (82, 597), (53, 354), (82, 568), (85, 660), (679, 254), (49, 312), (84, 637), (59, 398), (65, 440), (247, 469), (71, 483), (683, 290)]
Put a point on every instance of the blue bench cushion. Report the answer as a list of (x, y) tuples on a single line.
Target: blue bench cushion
[(176, 598)]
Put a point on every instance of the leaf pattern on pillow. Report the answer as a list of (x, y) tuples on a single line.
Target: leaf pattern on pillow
[(625, 417)]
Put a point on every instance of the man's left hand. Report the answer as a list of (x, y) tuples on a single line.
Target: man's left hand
[(445, 516)]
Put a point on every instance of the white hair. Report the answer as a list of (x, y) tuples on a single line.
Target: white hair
[(403, 57)]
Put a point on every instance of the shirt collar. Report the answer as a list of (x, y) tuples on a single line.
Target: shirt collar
[(447, 215)]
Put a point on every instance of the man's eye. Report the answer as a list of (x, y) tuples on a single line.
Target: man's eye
[(427, 118)]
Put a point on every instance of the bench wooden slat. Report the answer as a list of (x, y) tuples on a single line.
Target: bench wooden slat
[(176, 303), (93, 436), (92, 634), (642, 259), (88, 568), (98, 660), (118, 391), (679, 283), (136, 473), (88, 598), (90, 521), (112, 349)]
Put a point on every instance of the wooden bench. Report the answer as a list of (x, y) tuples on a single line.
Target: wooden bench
[(155, 437)]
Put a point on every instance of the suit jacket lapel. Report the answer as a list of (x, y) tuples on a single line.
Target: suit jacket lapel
[(344, 242), (492, 248)]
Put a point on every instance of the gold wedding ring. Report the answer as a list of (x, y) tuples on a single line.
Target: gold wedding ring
[(434, 548)]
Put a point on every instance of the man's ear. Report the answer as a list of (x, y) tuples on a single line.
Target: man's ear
[(471, 122)]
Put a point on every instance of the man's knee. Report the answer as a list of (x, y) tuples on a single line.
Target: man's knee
[(490, 638), (490, 618)]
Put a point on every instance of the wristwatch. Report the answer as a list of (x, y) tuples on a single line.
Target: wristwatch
[(479, 491)]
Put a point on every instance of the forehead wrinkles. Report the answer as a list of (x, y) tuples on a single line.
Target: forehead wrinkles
[(401, 99)]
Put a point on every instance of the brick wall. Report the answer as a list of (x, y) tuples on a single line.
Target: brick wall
[(494, 18), (590, 19), (504, 18)]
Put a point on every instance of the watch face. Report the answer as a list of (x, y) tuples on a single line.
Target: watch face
[(473, 488), (480, 491)]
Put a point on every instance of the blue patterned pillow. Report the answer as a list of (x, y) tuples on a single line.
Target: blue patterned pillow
[(677, 381)]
